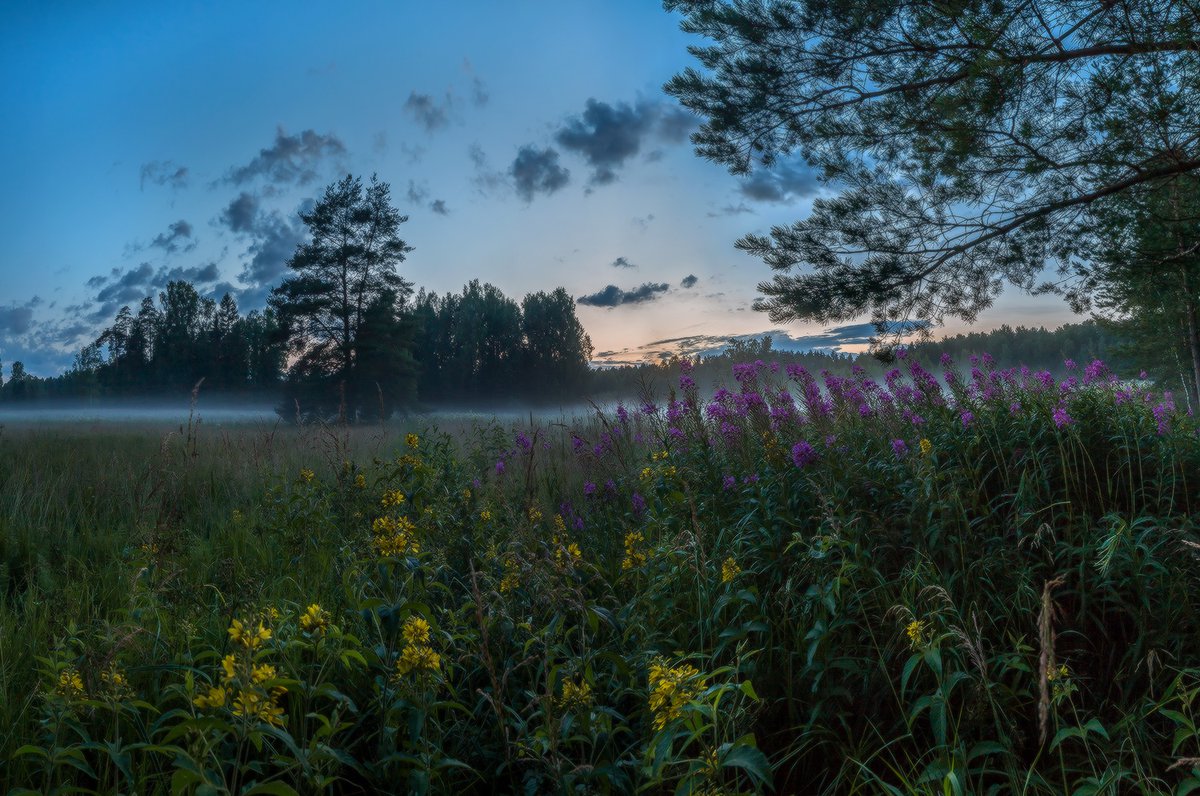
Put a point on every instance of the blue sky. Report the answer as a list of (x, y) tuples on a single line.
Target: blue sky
[(529, 142)]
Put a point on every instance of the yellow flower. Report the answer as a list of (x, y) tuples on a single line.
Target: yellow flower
[(729, 570), (634, 555), (466, 494), (535, 514), (254, 705), (314, 619), (237, 517), (392, 497), (70, 684), (418, 658), (926, 447), (669, 471), (114, 678), (229, 665), (916, 632), (647, 473), (671, 688), (360, 481), (262, 673), (412, 441), (416, 630), (560, 524), (485, 515), (1061, 673), (512, 575), (306, 475), (215, 698), (240, 633), (575, 695)]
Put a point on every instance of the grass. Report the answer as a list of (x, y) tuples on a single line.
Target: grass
[(871, 588)]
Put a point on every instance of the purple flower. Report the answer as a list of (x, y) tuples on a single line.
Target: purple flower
[(1069, 364), (500, 467), (649, 408), (622, 414), (729, 482), (803, 454), (900, 448), (1014, 408), (1143, 375), (751, 479), (589, 488), (946, 360), (1061, 418), (675, 432), (524, 442), (1095, 371), (639, 504), (968, 418)]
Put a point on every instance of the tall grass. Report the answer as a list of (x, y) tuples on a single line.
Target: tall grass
[(984, 583)]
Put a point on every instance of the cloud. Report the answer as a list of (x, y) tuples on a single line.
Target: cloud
[(485, 179), (275, 239), (731, 210), (15, 319), (613, 296), (642, 222), (133, 284), (689, 281), (608, 135), (291, 159), (165, 173), (416, 193), (537, 171), (785, 182), (427, 112), (622, 262), (240, 214), (178, 237), (439, 206), (479, 93)]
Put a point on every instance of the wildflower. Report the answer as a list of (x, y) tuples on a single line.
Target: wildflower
[(560, 524), (729, 570), (466, 495), (634, 555), (485, 515), (115, 679), (416, 630), (215, 698), (511, 579), (306, 475), (671, 688), (1059, 673), (647, 473), (500, 467), (412, 441), (728, 482), (589, 488), (917, 633), (803, 454), (926, 447), (240, 633), (899, 448), (255, 705), (70, 684), (392, 497), (229, 667), (262, 673), (237, 517), (360, 481), (575, 695), (418, 658), (314, 619), (535, 514), (639, 504), (1061, 418), (967, 418)]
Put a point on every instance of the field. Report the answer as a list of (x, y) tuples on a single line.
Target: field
[(979, 581)]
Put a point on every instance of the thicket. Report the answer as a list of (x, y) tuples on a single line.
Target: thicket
[(983, 582)]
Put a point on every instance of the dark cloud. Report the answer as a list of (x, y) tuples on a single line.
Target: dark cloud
[(412, 154), (479, 93), (613, 296), (537, 171), (164, 172), (240, 214), (439, 206), (731, 210), (643, 222), (622, 262), (16, 319), (689, 281), (416, 193), (275, 239), (134, 284), (608, 135), (178, 237), (291, 159), (427, 111), (785, 182), (485, 179)]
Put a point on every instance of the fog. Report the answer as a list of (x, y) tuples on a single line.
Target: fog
[(229, 413)]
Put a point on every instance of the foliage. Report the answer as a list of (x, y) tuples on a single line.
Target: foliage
[(342, 308), (964, 143), (983, 583)]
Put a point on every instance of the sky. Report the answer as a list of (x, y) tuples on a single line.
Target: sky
[(529, 143)]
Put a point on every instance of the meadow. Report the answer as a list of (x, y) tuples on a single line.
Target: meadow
[(953, 579)]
